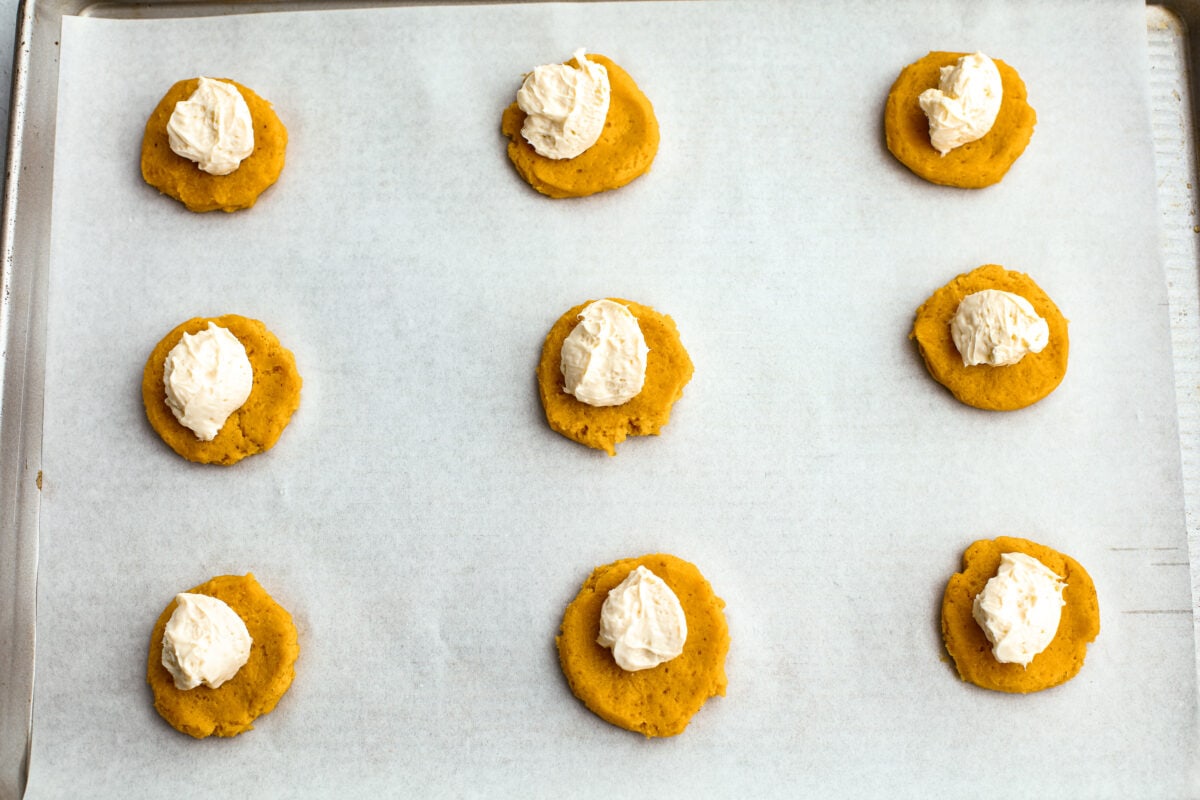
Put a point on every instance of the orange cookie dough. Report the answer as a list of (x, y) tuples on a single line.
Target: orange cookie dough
[(975, 164), (970, 648), (624, 150), (983, 386), (182, 179), (668, 369), (253, 428), (257, 686), (662, 700)]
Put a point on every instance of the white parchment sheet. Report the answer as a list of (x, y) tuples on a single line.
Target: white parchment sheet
[(426, 528)]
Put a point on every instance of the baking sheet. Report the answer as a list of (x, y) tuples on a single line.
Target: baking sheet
[(426, 529)]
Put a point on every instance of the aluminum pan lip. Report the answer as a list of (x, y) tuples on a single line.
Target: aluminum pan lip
[(25, 239)]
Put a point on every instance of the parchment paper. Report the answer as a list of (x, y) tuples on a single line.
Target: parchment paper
[(426, 528)]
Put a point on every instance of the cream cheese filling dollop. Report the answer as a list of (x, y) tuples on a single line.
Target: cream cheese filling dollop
[(565, 107), (964, 106), (997, 328), (603, 361), (1019, 609), (207, 376), (213, 127), (642, 621), (205, 642)]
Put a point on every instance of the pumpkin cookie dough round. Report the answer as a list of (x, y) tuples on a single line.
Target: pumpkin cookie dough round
[(183, 179), (973, 165), (231, 708), (625, 149), (1004, 388), (252, 428), (969, 647), (668, 370), (662, 700)]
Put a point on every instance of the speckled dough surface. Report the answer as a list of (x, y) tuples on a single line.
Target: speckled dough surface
[(968, 645), (975, 164), (983, 386), (624, 150), (182, 179), (253, 428), (668, 369), (658, 701), (231, 708)]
